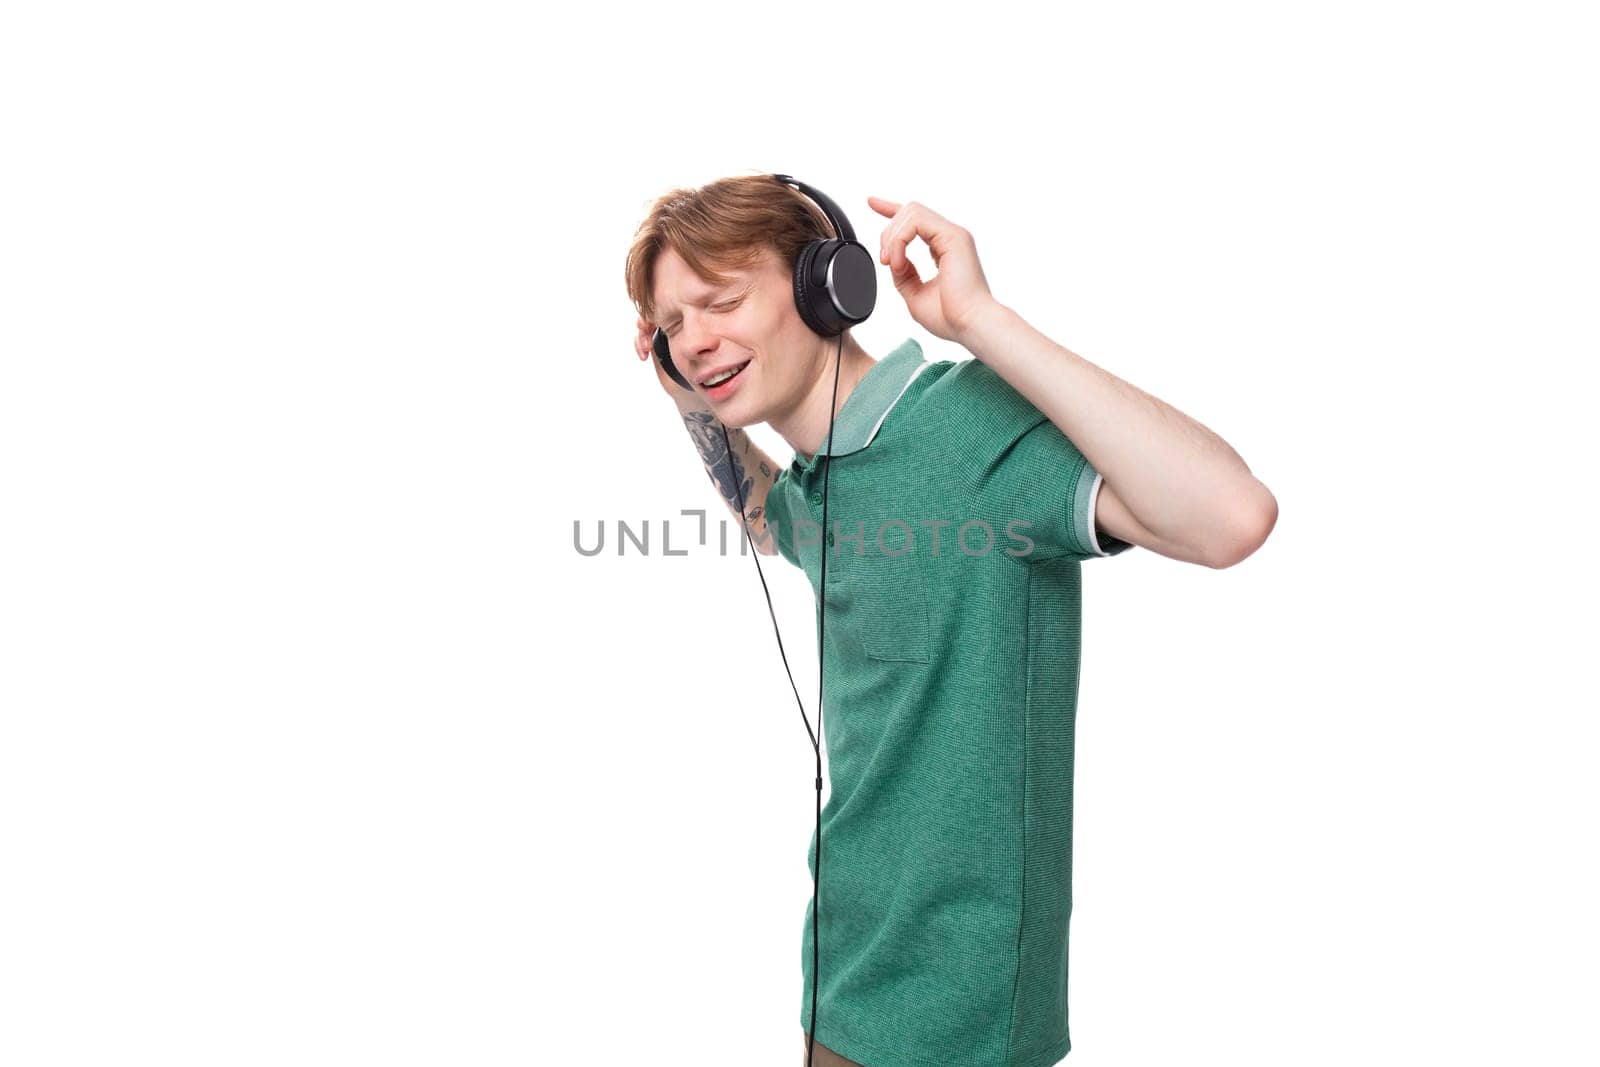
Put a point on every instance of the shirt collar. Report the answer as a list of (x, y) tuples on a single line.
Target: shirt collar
[(870, 402)]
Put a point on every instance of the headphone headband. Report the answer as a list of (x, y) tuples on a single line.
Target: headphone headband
[(841, 225)]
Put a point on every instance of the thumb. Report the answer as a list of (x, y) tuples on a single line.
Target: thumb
[(907, 281)]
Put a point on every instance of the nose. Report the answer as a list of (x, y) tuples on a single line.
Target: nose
[(695, 343)]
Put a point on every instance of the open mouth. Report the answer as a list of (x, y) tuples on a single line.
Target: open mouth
[(726, 376)]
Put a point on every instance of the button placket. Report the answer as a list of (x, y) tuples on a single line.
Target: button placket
[(834, 570)]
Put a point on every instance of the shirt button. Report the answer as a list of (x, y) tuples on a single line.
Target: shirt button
[(816, 498), (830, 537)]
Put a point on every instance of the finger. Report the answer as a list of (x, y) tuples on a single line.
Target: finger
[(906, 226), (902, 218), (882, 206), (906, 278), (897, 237), (939, 233)]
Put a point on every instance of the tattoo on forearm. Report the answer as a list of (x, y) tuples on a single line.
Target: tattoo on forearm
[(726, 470)]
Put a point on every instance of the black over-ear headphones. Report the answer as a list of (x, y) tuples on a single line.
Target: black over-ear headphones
[(835, 287), (835, 280)]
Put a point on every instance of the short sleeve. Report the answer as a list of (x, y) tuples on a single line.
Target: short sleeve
[(778, 517), (1044, 491)]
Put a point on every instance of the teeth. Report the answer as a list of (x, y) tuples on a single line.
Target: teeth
[(723, 376)]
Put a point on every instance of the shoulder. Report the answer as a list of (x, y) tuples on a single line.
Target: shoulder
[(970, 399)]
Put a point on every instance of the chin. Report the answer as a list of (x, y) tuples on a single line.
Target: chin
[(736, 418), (740, 411)]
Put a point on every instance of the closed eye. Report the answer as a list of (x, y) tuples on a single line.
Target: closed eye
[(724, 306)]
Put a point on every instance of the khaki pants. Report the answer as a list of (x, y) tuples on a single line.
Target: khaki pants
[(824, 1056)]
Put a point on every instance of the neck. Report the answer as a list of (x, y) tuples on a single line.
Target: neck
[(806, 427)]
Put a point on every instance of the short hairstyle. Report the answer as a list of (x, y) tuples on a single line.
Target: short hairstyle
[(723, 225)]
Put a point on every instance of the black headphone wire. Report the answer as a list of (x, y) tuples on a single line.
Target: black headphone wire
[(822, 615)]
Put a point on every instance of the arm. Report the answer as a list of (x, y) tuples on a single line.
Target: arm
[(1170, 484), (750, 468)]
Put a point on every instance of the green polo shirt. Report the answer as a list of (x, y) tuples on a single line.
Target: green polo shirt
[(960, 516)]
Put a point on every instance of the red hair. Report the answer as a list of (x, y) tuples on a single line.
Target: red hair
[(723, 225)]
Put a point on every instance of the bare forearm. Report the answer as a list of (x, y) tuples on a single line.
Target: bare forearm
[(748, 472), (1178, 478)]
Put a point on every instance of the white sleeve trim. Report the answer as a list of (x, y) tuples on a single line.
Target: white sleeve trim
[(1094, 498)]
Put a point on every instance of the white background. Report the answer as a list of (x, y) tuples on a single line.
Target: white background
[(321, 744)]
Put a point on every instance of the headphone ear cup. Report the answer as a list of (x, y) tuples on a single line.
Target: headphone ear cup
[(831, 309), (852, 280), (805, 295), (658, 344)]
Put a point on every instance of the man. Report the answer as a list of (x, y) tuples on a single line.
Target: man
[(963, 496)]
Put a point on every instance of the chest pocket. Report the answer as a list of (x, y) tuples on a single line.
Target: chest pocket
[(890, 599)]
